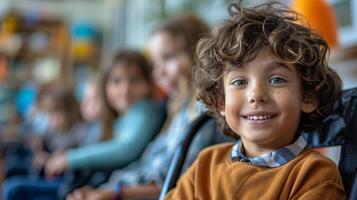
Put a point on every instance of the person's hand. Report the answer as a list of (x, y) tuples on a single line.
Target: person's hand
[(56, 165), (88, 193)]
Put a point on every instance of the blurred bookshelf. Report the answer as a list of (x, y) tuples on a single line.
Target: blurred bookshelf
[(40, 49)]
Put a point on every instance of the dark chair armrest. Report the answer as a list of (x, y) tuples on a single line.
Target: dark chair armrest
[(180, 154)]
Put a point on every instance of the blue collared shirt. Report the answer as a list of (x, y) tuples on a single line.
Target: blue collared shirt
[(271, 159)]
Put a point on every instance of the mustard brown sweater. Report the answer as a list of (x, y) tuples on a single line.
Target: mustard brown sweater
[(309, 176)]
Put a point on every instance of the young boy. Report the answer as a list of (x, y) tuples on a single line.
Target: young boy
[(267, 80)]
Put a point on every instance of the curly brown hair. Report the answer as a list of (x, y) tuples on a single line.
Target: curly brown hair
[(238, 42)]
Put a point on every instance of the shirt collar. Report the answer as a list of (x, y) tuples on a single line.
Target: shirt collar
[(271, 159)]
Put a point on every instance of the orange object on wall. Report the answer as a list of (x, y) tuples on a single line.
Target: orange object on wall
[(320, 16)]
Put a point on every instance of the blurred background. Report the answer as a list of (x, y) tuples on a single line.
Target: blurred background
[(69, 41)]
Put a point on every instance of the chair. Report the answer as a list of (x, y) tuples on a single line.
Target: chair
[(176, 165), (180, 155), (338, 129)]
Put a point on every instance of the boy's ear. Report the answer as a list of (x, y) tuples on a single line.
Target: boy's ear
[(222, 112), (310, 103), (221, 107)]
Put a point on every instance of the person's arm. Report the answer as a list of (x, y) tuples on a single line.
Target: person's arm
[(88, 193), (150, 191), (139, 125)]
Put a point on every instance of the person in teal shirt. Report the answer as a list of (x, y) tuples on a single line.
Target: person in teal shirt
[(138, 126), (130, 119)]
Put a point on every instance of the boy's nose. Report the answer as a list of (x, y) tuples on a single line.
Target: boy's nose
[(257, 95)]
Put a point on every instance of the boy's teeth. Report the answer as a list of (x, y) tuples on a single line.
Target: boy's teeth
[(259, 117)]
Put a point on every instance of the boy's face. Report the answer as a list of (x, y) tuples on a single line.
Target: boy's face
[(263, 102)]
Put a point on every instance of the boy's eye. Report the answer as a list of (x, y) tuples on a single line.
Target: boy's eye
[(277, 80), (239, 82)]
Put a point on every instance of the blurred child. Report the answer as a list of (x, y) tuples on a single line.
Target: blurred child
[(91, 108), (44, 134), (65, 131), (64, 119), (172, 47), (266, 78)]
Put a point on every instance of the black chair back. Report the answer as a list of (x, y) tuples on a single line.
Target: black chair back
[(340, 129), (178, 160)]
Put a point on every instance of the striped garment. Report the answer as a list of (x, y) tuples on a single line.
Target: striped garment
[(271, 159)]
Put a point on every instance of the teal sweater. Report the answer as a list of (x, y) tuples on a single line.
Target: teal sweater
[(132, 132)]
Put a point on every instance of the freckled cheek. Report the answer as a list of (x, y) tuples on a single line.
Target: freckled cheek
[(289, 104), (286, 95), (233, 103)]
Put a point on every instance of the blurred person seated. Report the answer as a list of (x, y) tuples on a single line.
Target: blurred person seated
[(91, 109), (65, 130)]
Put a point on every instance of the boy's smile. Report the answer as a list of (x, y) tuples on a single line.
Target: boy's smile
[(259, 117), (263, 103)]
